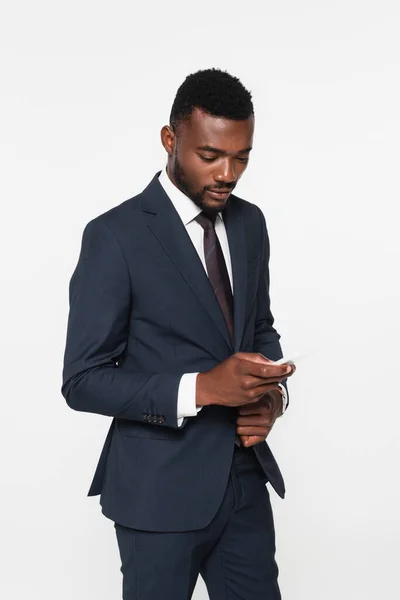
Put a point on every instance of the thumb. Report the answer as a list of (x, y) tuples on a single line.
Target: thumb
[(253, 357)]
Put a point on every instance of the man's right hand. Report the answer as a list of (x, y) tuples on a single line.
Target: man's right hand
[(240, 379)]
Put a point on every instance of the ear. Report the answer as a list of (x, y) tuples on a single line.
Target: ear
[(168, 139)]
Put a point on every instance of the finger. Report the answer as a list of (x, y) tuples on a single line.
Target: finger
[(252, 440), (254, 357), (250, 413), (270, 371), (256, 393), (262, 405), (256, 399), (263, 431), (292, 370), (260, 382), (254, 408), (259, 358), (255, 421), (257, 361), (258, 385), (250, 402)]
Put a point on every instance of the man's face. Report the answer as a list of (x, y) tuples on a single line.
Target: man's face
[(206, 155)]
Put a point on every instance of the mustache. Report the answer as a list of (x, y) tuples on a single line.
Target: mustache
[(221, 187)]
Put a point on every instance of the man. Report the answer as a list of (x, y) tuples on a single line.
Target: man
[(170, 333)]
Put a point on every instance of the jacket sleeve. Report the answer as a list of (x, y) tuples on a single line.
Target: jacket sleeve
[(97, 334), (266, 338)]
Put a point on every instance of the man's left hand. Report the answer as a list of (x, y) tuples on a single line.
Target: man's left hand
[(256, 420)]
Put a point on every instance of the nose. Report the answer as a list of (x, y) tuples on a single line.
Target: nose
[(226, 172)]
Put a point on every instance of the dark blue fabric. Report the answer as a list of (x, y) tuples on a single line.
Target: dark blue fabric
[(142, 313), (235, 553)]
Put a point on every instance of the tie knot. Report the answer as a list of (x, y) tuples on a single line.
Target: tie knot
[(206, 221)]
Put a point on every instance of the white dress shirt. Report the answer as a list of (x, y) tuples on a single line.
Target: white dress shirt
[(188, 211)]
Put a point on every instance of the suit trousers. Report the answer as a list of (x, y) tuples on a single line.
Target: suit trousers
[(234, 554)]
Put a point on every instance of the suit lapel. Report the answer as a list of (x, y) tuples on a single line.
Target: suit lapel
[(166, 225), (237, 248)]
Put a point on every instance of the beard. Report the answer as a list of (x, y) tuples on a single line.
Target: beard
[(198, 197), (182, 183)]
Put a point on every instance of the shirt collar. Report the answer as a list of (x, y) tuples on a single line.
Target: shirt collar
[(185, 207)]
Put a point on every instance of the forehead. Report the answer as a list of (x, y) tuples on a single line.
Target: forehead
[(202, 129)]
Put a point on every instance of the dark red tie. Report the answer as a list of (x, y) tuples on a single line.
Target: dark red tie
[(216, 268), (218, 274)]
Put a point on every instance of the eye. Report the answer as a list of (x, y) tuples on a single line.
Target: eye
[(206, 159), (243, 160)]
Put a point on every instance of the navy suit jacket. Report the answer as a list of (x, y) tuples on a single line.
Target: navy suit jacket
[(143, 313)]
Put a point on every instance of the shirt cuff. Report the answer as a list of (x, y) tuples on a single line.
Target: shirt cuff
[(284, 397), (186, 405)]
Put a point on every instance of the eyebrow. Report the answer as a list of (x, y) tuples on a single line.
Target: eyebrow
[(217, 150)]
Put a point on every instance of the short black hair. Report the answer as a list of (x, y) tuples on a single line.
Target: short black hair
[(213, 91)]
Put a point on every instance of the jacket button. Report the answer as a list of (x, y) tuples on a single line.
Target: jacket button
[(161, 420)]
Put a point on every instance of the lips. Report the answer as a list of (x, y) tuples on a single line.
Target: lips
[(219, 194)]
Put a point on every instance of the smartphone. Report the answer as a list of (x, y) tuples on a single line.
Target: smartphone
[(288, 360)]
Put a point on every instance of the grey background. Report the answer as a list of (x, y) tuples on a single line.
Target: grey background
[(85, 89)]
